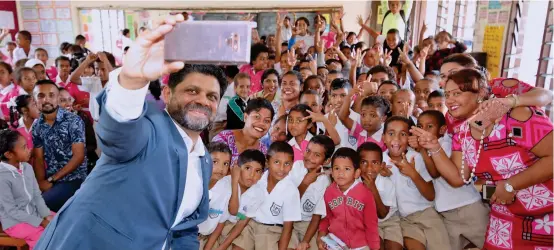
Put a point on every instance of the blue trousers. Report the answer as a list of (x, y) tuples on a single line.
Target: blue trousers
[(60, 192)]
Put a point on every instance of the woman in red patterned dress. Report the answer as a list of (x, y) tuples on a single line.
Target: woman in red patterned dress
[(514, 153), (528, 96)]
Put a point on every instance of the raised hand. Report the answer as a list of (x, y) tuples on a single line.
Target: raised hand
[(145, 61), (235, 174), (291, 57), (387, 57), (413, 143), (403, 56), (360, 20), (91, 57), (425, 139), (424, 52), (310, 178), (315, 116), (406, 167)]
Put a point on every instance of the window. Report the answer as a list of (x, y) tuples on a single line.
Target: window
[(102, 28), (532, 42)]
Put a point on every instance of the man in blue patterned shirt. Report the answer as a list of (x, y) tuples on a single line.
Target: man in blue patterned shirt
[(59, 142)]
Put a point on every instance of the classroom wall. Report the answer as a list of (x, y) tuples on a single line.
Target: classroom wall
[(351, 8)]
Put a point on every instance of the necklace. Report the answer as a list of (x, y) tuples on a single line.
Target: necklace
[(465, 157)]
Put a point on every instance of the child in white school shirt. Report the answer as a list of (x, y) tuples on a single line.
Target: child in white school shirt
[(338, 95), (221, 158), (422, 226), (384, 193), (271, 223), (299, 122), (464, 214), (312, 182), (236, 199)]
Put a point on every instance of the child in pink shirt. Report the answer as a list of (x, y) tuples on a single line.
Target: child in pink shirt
[(259, 54), (22, 116), (373, 114), (8, 90), (42, 55)]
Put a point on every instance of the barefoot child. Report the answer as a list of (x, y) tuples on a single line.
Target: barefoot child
[(351, 215), (312, 182), (384, 193), (23, 213)]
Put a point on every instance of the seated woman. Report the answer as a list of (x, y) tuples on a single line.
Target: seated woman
[(257, 120), (514, 154)]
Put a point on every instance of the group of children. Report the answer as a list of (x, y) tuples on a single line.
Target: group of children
[(382, 190)]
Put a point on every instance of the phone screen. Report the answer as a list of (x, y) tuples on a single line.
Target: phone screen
[(488, 191)]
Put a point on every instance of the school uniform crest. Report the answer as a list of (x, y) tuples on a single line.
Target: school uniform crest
[(352, 140), (214, 213), (275, 209), (308, 206)]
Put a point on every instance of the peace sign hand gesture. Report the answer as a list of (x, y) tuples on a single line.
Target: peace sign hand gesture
[(315, 116), (145, 61), (406, 167), (387, 57)]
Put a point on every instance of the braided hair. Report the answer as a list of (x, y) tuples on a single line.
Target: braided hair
[(8, 139), (16, 111)]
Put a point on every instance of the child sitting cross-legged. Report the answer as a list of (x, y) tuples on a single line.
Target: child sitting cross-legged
[(351, 214)]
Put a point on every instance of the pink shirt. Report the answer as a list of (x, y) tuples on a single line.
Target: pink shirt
[(6, 95), (329, 38), (255, 78), (360, 134), (52, 72), (300, 149), (25, 133)]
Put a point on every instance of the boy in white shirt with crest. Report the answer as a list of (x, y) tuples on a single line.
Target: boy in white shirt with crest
[(308, 175), (270, 223), (235, 199)]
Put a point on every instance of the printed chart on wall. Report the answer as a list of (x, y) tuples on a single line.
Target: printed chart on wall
[(490, 33), (49, 23)]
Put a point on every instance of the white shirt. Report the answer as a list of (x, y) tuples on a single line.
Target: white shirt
[(93, 85), (219, 200), (312, 201), (394, 21), (221, 114), (408, 197), (125, 105), (387, 192), (286, 34), (346, 140), (19, 54), (448, 197), (282, 204), (308, 42)]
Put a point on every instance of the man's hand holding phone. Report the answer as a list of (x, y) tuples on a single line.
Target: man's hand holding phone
[(145, 61)]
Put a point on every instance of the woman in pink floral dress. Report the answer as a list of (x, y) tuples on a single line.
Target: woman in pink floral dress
[(514, 154), (257, 121)]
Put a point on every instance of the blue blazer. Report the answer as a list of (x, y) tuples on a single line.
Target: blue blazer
[(131, 198)]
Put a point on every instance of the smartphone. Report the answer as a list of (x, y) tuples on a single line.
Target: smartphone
[(210, 42), (488, 191)]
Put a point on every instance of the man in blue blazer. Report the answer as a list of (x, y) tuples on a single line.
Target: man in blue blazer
[(149, 189)]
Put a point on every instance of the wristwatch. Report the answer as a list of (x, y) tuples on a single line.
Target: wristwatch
[(509, 188), (51, 179)]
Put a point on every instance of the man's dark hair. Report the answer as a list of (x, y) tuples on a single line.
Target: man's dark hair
[(256, 104), (125, 32), (280, 147), (252, 155), (46, 82), (371, 147), (256, 50), (384, 69), (26, 34), (79, 38), (326, 142), (347, 153), (61, 58), (210, 70)]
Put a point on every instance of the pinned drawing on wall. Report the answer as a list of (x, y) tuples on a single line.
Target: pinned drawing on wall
[(29, 14)]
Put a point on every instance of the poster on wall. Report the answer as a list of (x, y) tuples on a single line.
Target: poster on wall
[(49, 23), (492, 45), (7, 20)]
